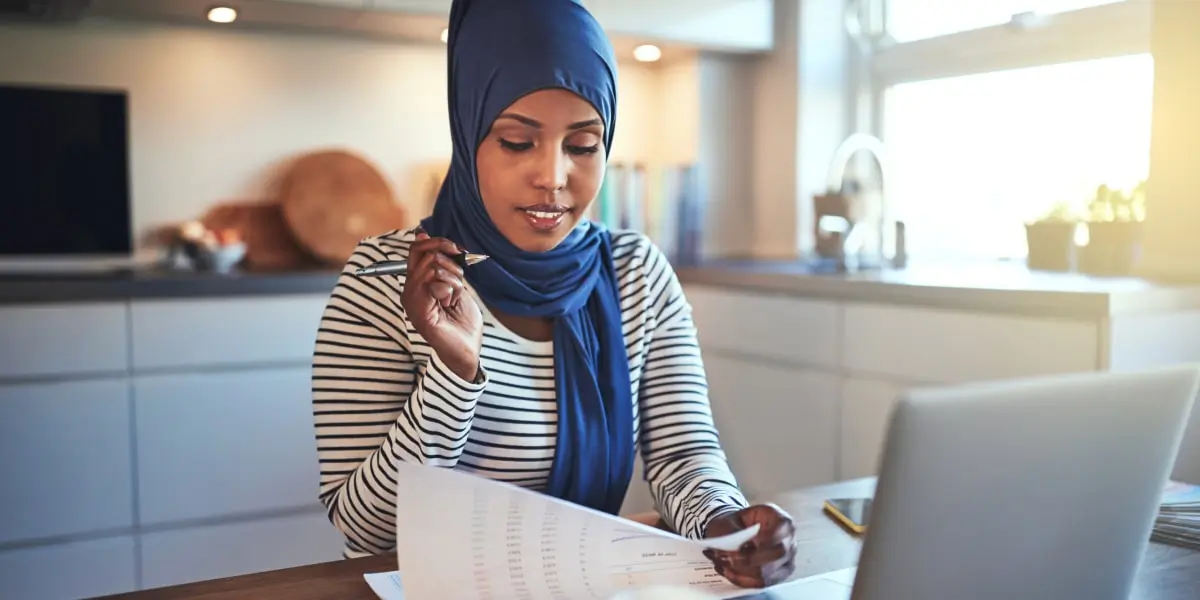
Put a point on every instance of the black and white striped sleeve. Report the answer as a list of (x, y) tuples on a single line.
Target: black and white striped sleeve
[(689, 476), (376, 403)]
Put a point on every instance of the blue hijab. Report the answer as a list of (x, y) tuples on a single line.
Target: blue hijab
[(499, 51)]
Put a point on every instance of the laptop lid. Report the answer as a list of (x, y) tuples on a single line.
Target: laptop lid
[(1042, 488)]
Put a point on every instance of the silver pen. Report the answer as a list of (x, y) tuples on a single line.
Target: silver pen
[(398, 267)]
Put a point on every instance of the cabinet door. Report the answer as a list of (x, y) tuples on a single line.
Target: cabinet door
[(61, 339), (214, 551), (945, 346), (224, 443), (65, 459), (224, 331), (866, 410), (776, 327), (718, 24), (777, 424), (84, 569), (1148, 341)]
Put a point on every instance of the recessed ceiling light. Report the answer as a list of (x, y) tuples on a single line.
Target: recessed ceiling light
[(445, 35), (647, 53), (222, 14)]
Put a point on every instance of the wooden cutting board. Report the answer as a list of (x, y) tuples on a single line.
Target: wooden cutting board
[(333, 199)]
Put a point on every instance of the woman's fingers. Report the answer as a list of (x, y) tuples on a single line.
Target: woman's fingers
[(767, 559), (444, 285), (444, 261), (760, 557), (740, 579), (445, 281), (433, 270)]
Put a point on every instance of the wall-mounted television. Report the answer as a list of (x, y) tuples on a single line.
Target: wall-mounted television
[(64, 174)]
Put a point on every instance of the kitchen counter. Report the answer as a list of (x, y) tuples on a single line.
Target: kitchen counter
[(978, 286), (125, 284), (983, 286)]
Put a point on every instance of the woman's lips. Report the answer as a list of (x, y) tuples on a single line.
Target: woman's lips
[(545, 218)]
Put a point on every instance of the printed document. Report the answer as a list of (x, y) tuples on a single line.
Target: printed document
[(465, 536)]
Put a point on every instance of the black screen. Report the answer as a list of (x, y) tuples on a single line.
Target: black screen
[(64, 172)]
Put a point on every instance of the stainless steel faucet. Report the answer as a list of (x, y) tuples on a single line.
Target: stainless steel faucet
[(890, 251)]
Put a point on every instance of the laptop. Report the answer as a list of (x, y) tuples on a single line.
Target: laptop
[(1039, 489)]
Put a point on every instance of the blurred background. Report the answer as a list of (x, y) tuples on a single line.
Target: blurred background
[(860, 196)]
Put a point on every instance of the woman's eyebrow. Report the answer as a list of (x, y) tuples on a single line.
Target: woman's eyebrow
[(538, 125)]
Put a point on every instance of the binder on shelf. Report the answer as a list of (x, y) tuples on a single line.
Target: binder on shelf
[(663, 202)]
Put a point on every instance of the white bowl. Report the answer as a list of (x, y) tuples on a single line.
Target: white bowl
[(223, 259)]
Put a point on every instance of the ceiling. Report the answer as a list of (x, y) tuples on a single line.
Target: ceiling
[(408, 21)]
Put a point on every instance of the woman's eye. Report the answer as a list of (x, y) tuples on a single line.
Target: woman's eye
[(583, 149), (515, 146)]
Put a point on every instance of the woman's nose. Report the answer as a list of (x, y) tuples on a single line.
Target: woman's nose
[(550, 170)]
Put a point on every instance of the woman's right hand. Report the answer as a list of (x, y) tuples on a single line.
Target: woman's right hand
[(439, 306)]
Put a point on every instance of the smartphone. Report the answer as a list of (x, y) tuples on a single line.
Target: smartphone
[(851, 513)]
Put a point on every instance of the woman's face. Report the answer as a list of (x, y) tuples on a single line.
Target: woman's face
[(541, 166)]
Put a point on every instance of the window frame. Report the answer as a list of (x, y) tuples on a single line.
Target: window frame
[(1108, 30), (1104, 31), (1096, 32)]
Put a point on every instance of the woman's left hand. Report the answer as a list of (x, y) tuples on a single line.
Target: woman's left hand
[(766, 560)]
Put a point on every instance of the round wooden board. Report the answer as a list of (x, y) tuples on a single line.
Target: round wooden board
[(333, 199)]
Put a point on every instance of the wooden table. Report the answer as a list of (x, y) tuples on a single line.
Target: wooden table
[(1167, 572)]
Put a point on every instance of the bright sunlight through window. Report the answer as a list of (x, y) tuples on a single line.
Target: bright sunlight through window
[(977, 156)]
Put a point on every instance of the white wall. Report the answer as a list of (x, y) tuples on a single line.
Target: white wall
[(213, 111), (726, 150)]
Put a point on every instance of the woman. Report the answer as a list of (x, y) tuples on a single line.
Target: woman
[(555, 361)]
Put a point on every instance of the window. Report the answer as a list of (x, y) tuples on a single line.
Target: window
[(976, 156), (990, 124), (909, 20)]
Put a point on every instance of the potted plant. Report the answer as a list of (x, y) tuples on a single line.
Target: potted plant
[(1051, 239), (1114, 227)]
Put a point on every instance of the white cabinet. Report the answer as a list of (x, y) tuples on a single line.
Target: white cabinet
[(803, 388), (866, 410), (920, 344), (224, 331), (224, 443), (184, 426), (737, 25), (68, 571), (237, 548), (778, 424), (64, 459), (1151, 340), (774, 327), (63, 339)]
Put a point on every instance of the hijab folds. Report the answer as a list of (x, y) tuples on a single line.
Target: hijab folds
[(499, 51)]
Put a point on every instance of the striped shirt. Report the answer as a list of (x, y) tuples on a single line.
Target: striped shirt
[(382, 396)]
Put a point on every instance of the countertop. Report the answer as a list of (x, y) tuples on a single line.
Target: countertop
[(125, 284), (978, 286), (989, 286)]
